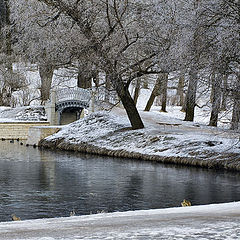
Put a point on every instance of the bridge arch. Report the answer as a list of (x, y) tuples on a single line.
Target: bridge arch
[(67, 105)]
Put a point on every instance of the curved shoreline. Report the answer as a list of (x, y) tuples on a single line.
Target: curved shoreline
[(84, 147)]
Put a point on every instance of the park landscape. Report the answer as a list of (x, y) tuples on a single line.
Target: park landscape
[(163, 77)]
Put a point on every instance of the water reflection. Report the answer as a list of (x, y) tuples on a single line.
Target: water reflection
[(40, 183)]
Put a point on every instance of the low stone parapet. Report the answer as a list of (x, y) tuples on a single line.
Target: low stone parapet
[(18, 130), (37, 133)]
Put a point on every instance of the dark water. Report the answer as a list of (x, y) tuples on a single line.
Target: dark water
[(40, 184)]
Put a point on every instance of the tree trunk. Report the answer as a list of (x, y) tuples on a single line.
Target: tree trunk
[(6, 49), (155, 92), (131, 110), (180, 90), (164, 91), (46, 74), (212, 81), (136, 91), (96, 78), (2, 13), (8, 34), (107, 88), (150, 102), (84, 81), (191, 94), (236, 107), (127, 101), (224, 93), (216, 99), (235, 115)]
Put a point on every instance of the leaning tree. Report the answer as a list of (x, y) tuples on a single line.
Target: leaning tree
[(115, 41)]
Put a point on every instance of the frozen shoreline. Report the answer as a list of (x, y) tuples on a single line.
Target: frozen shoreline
[(215, 221), (164, 140)]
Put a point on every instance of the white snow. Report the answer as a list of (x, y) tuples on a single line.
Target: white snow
[(27, 113), (216, 221), (163, 135)]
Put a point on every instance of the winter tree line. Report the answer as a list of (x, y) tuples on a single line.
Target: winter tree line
[(128, 42)]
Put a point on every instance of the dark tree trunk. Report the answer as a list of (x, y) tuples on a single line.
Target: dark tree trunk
[(216, 99), (191, 95), (180, 90), (3, 22), (224, 93), (136, 91), (236, 114), (127, 101), (107, 88), (150, 102), (155, 92), (84, 81), (46, 74), (164, 92), (96, 78), (2, 13), (212, 81), (236, 107), (131, 110), (8, 35), (6, 49)]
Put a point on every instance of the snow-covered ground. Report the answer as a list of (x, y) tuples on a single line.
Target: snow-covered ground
[(27, 113), (216, 222), (163, 136)]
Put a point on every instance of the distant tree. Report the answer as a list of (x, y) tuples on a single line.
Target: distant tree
[(155, 92), (222, 23), (180, 90), (216, 98), (164, 92), (10, 81), (195, 52), (137, 90), (159, 89), (42, 39), (236, 105)]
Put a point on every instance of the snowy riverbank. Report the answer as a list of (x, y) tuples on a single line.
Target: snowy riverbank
[(216, 221), (164, 139)]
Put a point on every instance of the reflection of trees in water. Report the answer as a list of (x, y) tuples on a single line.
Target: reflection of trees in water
[(47, 171), (51, 184), (203, 186), (133, 193)]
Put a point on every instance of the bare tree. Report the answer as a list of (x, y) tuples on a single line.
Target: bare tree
[(41, 40), (236, 105), (180, 89), (216, 98), (155, 92), (110, 33)]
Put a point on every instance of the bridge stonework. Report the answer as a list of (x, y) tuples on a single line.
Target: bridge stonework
[(66, 105)]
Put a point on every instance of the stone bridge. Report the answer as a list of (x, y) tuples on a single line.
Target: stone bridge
[(67, 104)]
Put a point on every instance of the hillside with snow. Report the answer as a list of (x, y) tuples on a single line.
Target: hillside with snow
[(164, 139)]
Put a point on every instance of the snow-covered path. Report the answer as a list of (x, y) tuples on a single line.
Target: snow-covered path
[(219, 221)]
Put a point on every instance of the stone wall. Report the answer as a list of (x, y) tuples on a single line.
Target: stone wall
[(38, 133), (17, 130)]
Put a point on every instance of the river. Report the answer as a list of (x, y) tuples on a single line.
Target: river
[(38, 183)]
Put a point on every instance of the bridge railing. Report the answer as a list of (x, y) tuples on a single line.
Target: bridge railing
[(67, 94)]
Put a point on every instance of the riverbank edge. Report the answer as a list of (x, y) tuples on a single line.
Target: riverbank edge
[(226, 162)]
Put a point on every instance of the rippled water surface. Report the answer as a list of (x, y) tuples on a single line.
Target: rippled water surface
[(40, 183)]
